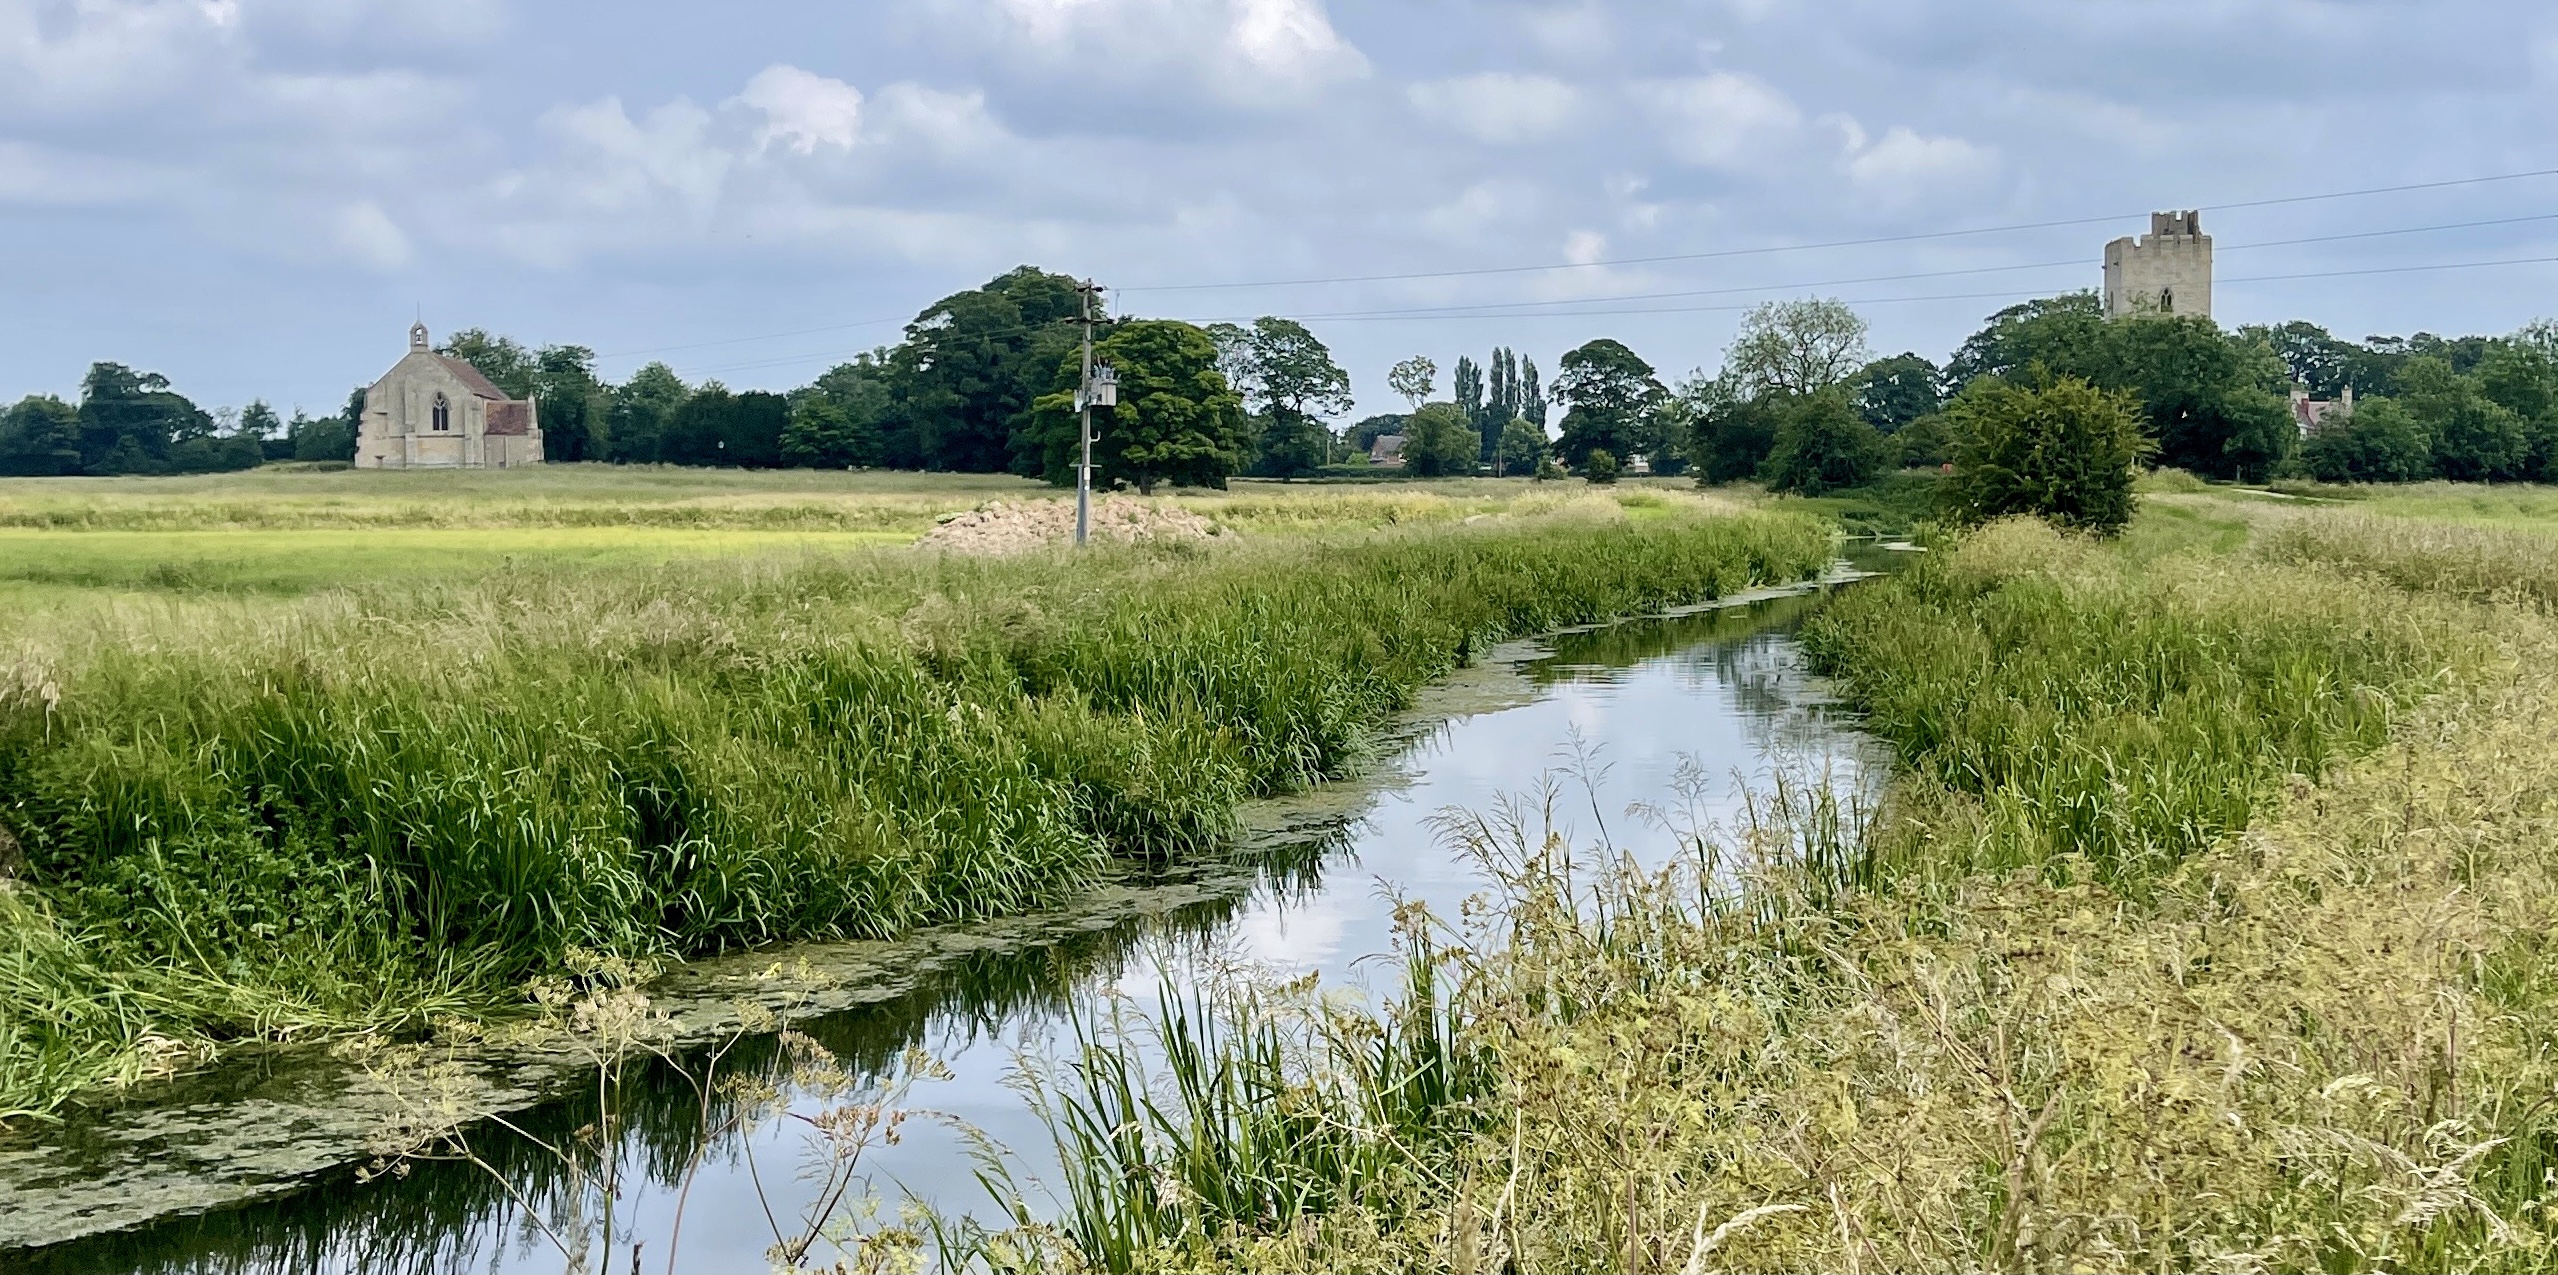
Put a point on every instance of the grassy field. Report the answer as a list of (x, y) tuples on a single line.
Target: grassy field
[(285, 532), (288, 760), (2207, 926)]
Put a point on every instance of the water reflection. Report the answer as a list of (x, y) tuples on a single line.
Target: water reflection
[(1682, 712)]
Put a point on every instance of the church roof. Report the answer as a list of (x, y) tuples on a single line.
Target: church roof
[(471, 379), (510, 417)]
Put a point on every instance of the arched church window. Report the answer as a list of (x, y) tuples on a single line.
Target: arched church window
[(443, 414), (2166, 305)]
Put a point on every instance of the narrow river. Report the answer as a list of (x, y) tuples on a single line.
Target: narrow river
[(1633, 728)]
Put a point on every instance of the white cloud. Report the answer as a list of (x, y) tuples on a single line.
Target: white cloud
[(617, 164), (1905, 161), (952, 123), (1585, 247), (1719, 120), (804, 109), (370, 236), (1244, 52), (1499, 106)]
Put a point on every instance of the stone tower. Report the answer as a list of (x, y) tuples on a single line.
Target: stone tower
[(2167, 271)]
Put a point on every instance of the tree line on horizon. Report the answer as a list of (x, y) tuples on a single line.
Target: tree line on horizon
[(983, 382)]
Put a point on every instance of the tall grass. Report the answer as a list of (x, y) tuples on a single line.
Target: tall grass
[(2207, 929), (361, 809), (2112, 717)]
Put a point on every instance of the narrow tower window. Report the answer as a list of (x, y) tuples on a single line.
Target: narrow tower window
[(443, 414)]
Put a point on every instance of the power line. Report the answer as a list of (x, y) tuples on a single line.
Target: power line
[(1388, 316), (1838, 243), (1520, 306), (1596, 311)]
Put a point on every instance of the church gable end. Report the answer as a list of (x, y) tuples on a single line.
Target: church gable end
[(435, 411)]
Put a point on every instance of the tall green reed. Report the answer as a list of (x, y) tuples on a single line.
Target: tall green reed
[(417, 797)]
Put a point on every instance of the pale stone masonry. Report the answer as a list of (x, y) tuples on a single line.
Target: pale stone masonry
[(2167, 271), (434, 411)]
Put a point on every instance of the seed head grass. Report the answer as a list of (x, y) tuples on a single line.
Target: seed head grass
[(2205, 928), (354, 811)]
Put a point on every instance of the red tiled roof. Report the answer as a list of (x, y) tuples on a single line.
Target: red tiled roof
[(510, 416), (471, 379)]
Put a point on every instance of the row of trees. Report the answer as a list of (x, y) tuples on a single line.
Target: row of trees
[(983, 381)]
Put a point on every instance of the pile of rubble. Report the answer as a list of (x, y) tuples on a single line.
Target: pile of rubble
[(1011, 527)]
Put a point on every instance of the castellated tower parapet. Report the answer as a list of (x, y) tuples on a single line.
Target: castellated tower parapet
[(2167, 271)]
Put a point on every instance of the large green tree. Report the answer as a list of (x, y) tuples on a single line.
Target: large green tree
[(1441, 441), (639, 411), (716, 427), (970, 367), (1729, 434), (2063, 336), (40, 438), (128, 420), (2379, 443), (1177, 420), (1890, 393), (838, 422), (1822, 444), (1612, 399), (1796, 348), (1286, 373), (2475, 438)]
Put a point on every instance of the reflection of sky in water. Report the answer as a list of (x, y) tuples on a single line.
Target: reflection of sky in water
[(1619, 718)]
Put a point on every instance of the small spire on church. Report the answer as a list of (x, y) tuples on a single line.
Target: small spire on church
[(417, 335)]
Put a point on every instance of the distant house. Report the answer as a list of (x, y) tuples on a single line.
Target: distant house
[(2317, 415), (1637, 467), (434, 411), (1387, 450)]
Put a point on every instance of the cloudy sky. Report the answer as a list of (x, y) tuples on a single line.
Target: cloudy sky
[(256, 196)]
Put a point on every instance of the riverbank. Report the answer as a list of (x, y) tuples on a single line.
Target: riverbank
[(2205, 927), (278, 1124), (363, 812)]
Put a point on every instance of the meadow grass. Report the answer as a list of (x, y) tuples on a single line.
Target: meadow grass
[(2206, 928), (361, 809)]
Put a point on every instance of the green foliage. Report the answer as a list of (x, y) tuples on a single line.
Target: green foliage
[(640, 410), (1890, 393), (1413, 378), (2062, 336), (715, 427), (1522, 448), (2380, 443), (2064, 453), (1729, 436), (40, 438), (2475, 438), (1440, 441), (2115, 724), (1924, 442), (301, 824), (972, 365), (1600, 466), (1796, 348), (1289, 373), (1177, 420), (1613, 401), (838, 422), (1824, 444), (128, 420)]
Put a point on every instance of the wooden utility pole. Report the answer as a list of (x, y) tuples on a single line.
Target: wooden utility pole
[(1088, 392)]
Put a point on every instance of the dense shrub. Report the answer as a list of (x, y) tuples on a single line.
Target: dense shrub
[(2064, 453)]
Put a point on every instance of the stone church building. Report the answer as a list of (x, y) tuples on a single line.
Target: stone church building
[(434, 411), (2167, 271)]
